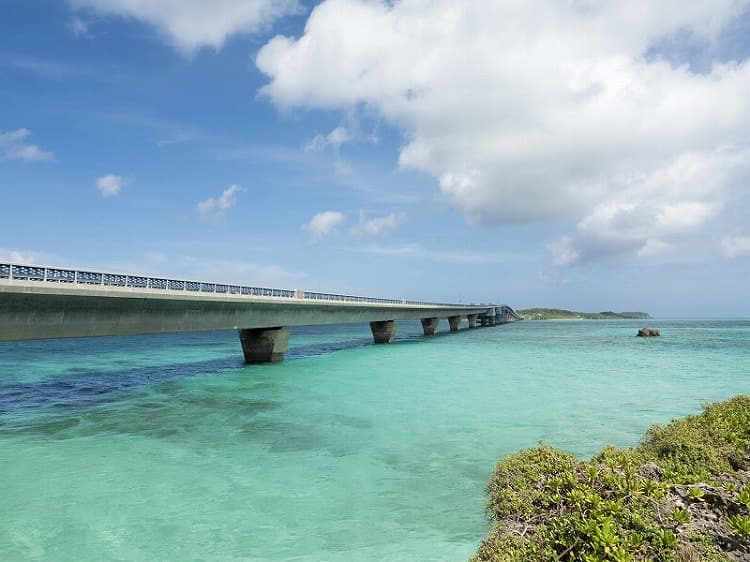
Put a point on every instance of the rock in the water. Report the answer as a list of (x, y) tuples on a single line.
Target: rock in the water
[(648, 332)]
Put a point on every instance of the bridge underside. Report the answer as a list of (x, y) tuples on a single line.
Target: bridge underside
[(44, 313)]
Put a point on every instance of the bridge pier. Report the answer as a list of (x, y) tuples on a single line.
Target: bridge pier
[(383, 331), (472, 319), (454, 322), (430, 326), (487, 320), (264, 345)]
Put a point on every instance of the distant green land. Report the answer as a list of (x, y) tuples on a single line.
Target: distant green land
[(557, 314)]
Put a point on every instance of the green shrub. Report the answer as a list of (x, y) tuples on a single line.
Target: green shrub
[(680, 515), (744, 496), (700, 447), (548, 505), (740, 525)]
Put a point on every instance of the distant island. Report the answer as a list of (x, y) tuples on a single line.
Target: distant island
[(557, 314)]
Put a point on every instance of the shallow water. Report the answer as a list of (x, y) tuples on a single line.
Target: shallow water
[(169, 447)]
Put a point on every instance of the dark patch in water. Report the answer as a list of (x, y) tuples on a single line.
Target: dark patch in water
[(81, 386), (352, 421), (151, 406), (203, 344), (50, 428), (89, 387), (148, 416), (283, 437), (80, 402), (326, 348), (222, 403)]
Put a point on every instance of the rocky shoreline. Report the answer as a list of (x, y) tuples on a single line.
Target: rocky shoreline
[(682, 495)]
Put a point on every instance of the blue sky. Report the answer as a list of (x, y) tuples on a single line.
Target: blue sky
[(580, 155)]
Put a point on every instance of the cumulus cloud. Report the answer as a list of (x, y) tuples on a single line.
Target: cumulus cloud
[(15, 146), (650, 214), (378, 226), (110, 185), (539, 110), (735, 246), (192, 24), (215, 208), (323, 224)]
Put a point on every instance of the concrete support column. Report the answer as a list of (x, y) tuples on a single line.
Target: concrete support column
[(472, 318), (487, 320), (383, 331), (430, 326), (454, 322), (264, 345)]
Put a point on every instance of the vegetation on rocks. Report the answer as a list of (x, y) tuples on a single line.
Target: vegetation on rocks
[(557, 314), (683, 495)]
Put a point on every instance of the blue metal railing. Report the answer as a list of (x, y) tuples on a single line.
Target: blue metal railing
[(73, 276), (351, 298)]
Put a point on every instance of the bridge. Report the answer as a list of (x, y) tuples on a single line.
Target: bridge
[(45, 302)]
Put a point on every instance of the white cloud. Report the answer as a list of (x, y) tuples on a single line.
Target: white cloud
[(169, 265), (14, 146), (654, 248), (78, 26), (735, 246), (214, 208), (651, 213), (417, 251), (342, 168), (538, 109), (110, 185), (42, 68), (192, 24), (563, 252), (378, 226), (323, 224), (334, 139), (231, 271), (22, 257)]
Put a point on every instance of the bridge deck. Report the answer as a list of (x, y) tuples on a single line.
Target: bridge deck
[(41, 303)]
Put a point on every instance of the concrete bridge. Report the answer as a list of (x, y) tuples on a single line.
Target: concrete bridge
[(44, 302)]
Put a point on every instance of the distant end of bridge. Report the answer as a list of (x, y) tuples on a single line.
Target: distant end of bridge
[(39, 302)]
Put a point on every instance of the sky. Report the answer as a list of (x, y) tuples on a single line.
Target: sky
[(585, 154)]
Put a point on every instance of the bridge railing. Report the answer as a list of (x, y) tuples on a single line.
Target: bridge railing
[(94, 278)]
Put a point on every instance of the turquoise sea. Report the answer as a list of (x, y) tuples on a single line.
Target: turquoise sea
[(169, 448)]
